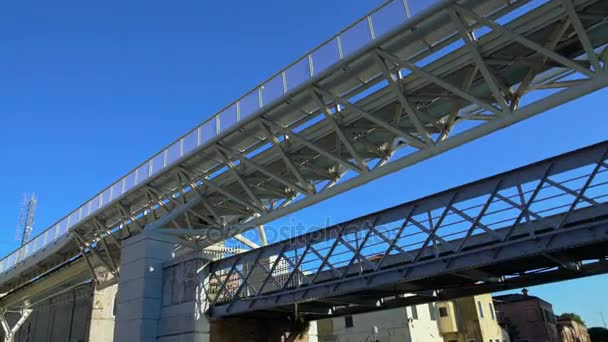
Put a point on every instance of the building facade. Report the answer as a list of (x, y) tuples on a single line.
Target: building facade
[(470, 319), (416, 323), (572, 331), (527, 318)]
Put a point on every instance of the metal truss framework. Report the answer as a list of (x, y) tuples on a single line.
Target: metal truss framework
[(462, 70), (10, 331), (540, 211)]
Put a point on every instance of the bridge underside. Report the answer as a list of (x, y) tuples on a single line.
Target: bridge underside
[(460, 71), (549, 267), (541, 223)]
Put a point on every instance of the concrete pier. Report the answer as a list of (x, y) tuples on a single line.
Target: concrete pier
[(140, 287)]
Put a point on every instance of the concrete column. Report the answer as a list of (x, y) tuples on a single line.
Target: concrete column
[(140, 287), (102, 314), (163, 298), (184, 305)]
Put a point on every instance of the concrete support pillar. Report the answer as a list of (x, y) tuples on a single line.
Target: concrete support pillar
[(163, 298), (140, 287), (102, 315), (184, 305)]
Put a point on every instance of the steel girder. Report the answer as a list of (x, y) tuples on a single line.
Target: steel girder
[(420, 293), (541, 211), (431, 85), (10, 331)]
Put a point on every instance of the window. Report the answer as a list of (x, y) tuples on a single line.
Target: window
[(115, 304), (480, 309), (542, 315), (443, 312), (432, 312), (414, 312), (546, 315), (348, 321), (491, 308)]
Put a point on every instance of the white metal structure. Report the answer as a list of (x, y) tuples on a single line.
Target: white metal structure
[(398, 86)]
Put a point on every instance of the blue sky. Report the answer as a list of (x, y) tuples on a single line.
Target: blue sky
[(89, 90)]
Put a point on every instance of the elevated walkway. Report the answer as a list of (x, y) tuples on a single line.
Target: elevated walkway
[(395, 88)]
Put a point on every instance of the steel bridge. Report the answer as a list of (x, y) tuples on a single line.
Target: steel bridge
[(544, 222), (403, 83)]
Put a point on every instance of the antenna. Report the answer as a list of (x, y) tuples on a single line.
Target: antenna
[(25, 224)]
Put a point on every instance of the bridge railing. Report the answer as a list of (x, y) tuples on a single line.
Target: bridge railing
[(378, 22), (528, 202)]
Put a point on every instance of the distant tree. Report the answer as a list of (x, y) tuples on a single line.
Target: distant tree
[(598, 334), (572, 316)]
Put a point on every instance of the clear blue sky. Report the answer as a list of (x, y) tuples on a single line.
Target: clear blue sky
[(90, 89)]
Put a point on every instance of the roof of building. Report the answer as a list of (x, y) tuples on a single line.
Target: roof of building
[(517, 297)]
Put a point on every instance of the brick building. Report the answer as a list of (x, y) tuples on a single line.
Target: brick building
[(530, 317)]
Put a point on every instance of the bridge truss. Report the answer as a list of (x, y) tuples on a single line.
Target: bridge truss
[(544, 222), (452, 73)]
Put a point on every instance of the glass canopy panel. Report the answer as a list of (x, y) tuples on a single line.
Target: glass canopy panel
[(326, 56), (117, 189), (174, 152), (129, 181), (388, 17), (418, 6), (190, 141), (355, 38), (208, 130), (272, 89), (158, 163), (249, 104), (143, 172), (297, 73), (228, 118)]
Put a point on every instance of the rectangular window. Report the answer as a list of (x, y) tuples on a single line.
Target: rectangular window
[(491, 308), (545, 315), (432, 312), (443, 312), (480, 308), (414, 312), (348, 321)]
